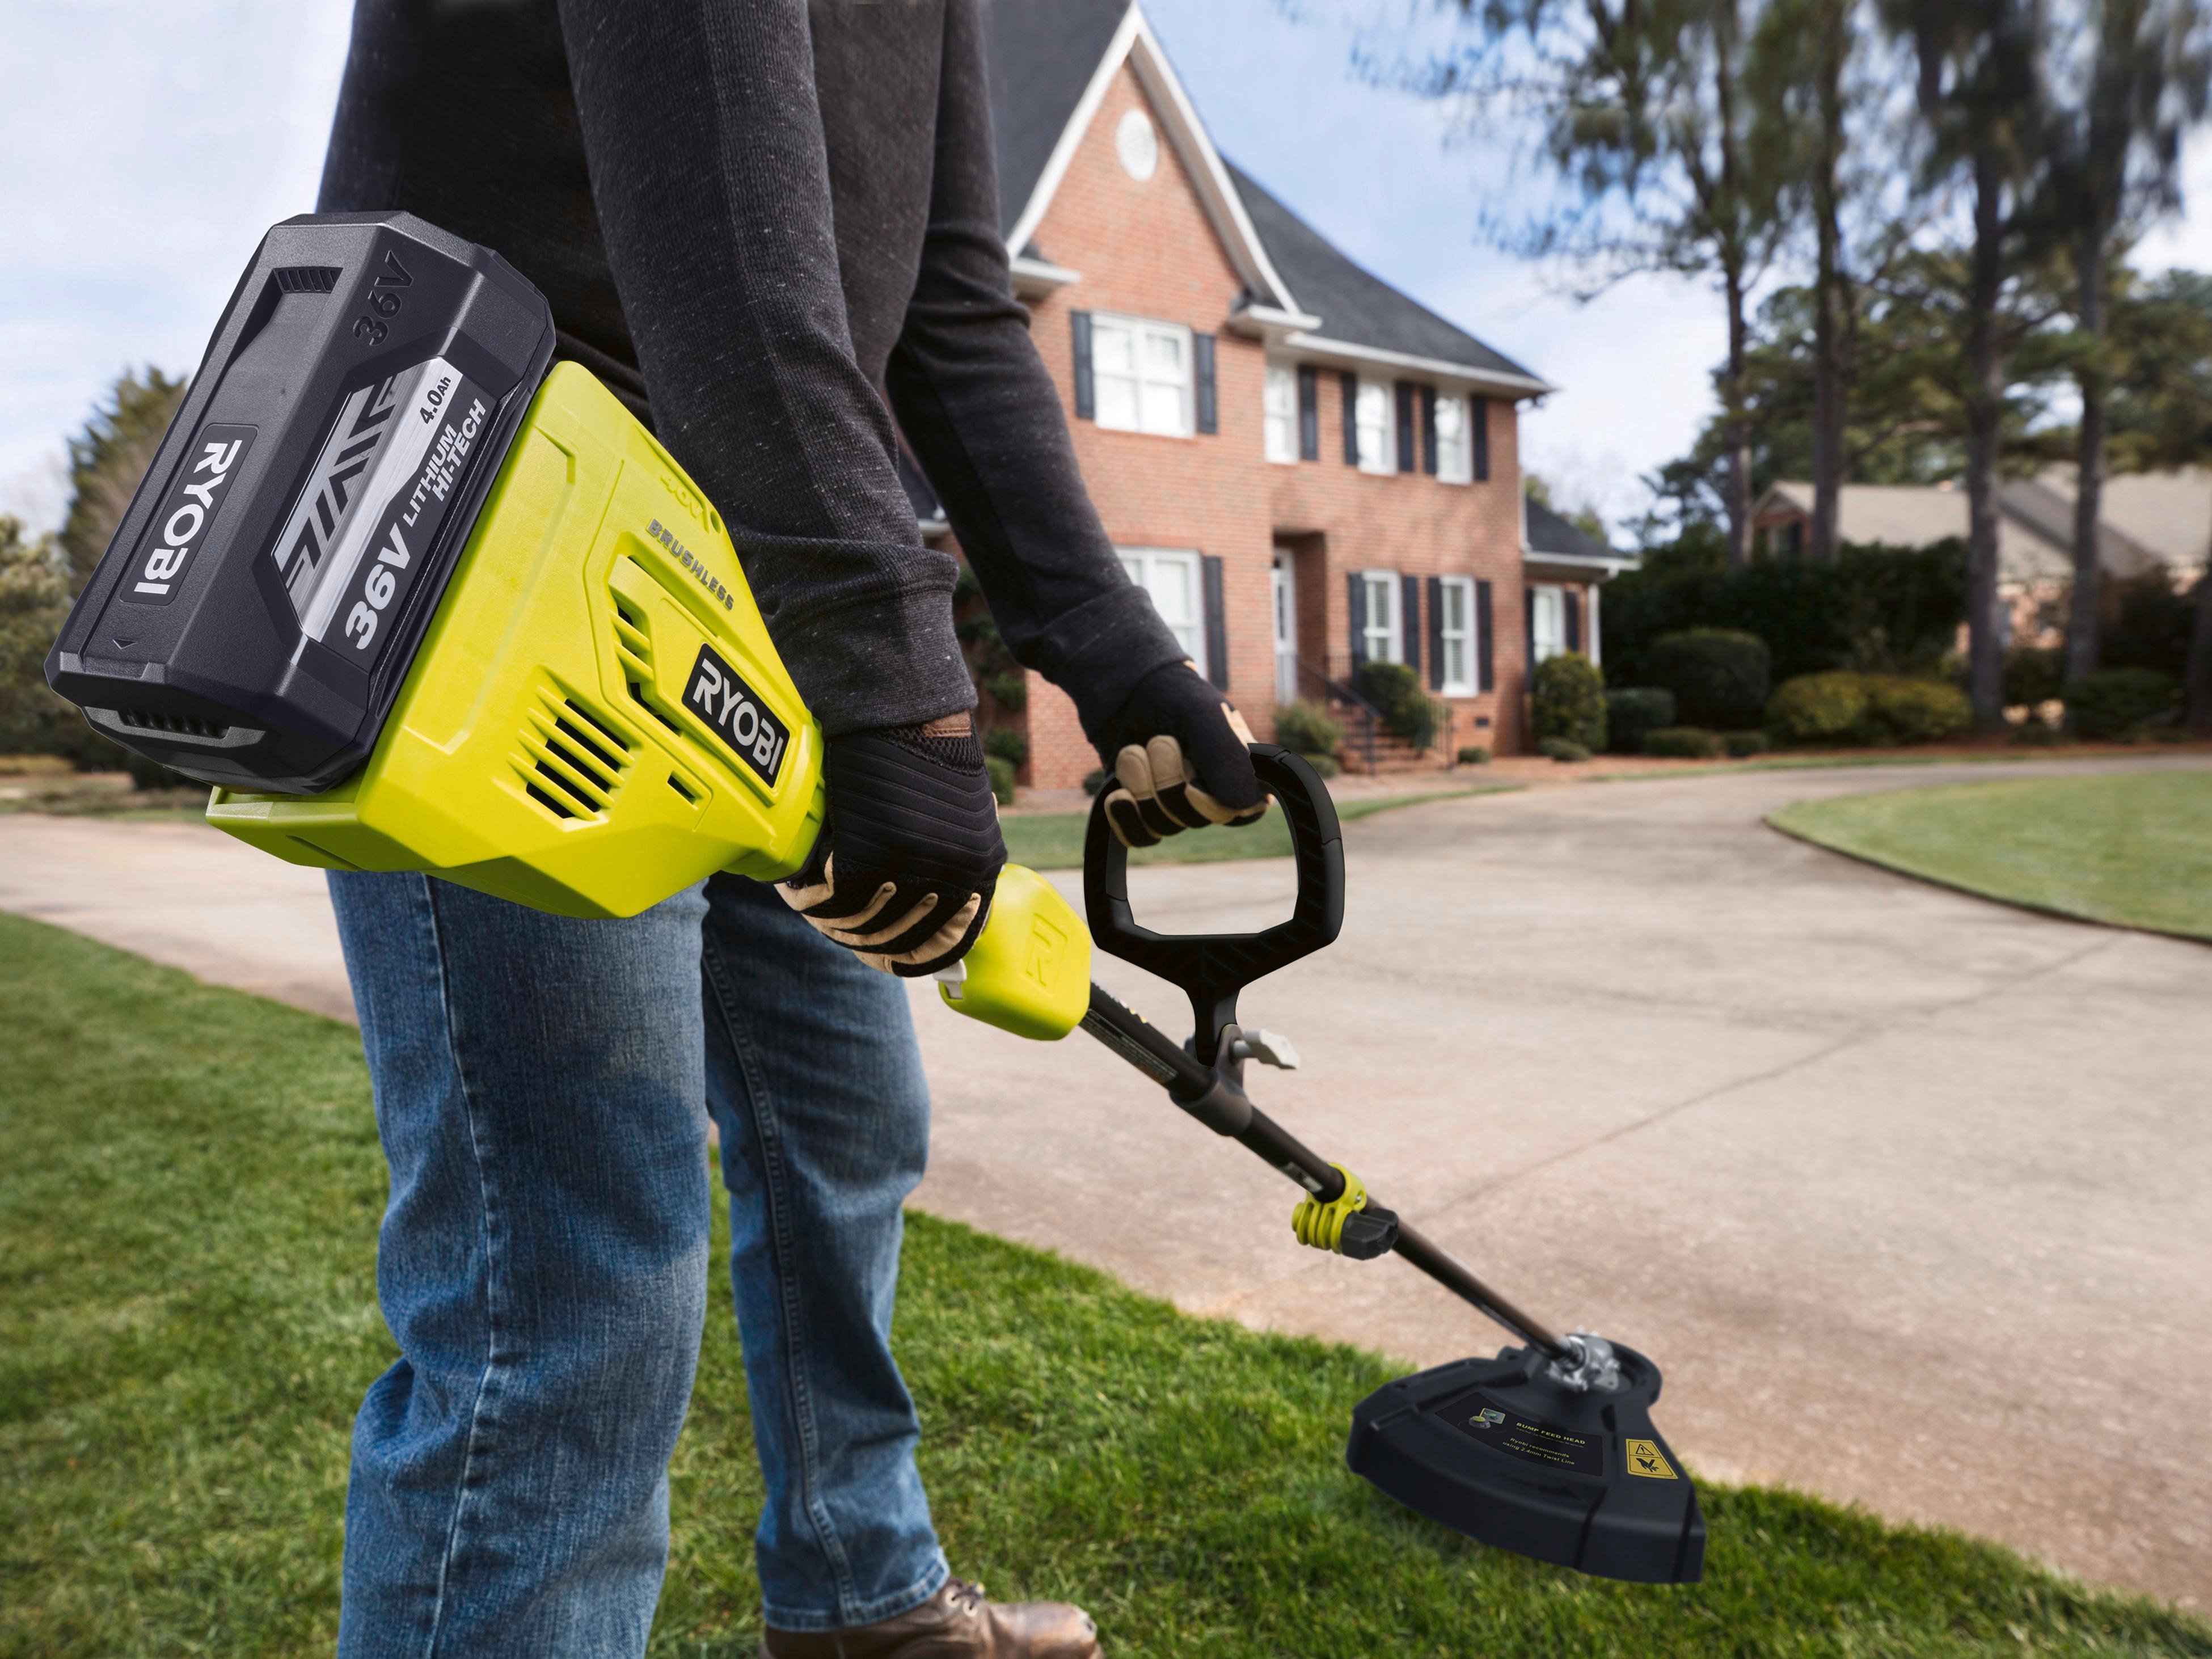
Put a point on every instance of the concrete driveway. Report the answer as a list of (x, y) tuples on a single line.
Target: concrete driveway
[(1905, 1191)]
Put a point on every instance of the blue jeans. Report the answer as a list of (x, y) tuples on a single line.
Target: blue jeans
[(542, 1087)]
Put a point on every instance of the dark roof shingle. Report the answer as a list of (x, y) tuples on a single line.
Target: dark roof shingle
[(1353, 304), (1039, 56), (1550, 533)]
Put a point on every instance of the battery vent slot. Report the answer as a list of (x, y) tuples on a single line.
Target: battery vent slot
[(634, 645), (175, 725), (307, 279), (573, 758)]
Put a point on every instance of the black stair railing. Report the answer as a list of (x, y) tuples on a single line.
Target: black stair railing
[(1367, 718)]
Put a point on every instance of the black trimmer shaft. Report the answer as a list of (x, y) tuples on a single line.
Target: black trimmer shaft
[(1219, 1103)]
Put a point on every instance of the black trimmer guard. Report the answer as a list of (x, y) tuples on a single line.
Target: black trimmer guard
[(1502, 1450)]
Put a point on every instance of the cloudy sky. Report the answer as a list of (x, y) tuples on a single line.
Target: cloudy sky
[(149, 143)]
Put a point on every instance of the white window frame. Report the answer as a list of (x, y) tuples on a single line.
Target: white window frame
[(1375, 416), (1283, 596), (1384, 641), (1465, 637), (1549, 596), (1455, 454), (1141, 564), (1142, 332), (1279, 414)]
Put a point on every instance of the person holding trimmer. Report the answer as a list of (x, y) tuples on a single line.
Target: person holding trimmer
[(772, 228)]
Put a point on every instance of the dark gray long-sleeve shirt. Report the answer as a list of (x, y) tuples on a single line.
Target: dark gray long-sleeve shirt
[(755, 219)]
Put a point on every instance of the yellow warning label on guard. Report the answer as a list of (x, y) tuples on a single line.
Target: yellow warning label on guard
[(1644, 1458)]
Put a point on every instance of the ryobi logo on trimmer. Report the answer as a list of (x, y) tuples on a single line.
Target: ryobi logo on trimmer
[(740, 719)]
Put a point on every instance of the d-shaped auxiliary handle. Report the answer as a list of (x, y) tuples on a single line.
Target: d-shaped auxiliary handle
[(1212, 968)]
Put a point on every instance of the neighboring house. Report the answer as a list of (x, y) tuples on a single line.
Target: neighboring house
[(1306, 468), (2151, 523)]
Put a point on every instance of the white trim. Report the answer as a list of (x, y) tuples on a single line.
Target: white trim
[(1139, 330), (1034, 279), (1612, 567), (1135, 42), (1470, 637), (1270, 325), (1318, 346), (1189, 559), (1071, 135), (1395, 587)]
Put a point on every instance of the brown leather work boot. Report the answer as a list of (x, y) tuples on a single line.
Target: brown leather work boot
[(956, 1623)]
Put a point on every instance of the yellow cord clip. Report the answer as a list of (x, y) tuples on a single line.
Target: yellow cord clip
[(1320, 1226)]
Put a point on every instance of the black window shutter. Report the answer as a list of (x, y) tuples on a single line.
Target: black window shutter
[(1572, 604), (1486, 671), (1351, 383), (1529, 634), (1406, 426), (1086, 397), (1429, 430), (1217, 623), (1436, 632), (1356, 603), (1202, 360), (1308, 413), (1409, 624), (1479, 409)]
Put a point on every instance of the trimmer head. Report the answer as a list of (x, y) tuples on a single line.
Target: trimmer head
[(1508, 1453)]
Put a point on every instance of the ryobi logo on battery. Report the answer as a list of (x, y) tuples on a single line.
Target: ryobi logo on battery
[(740, 719), (188, 510)]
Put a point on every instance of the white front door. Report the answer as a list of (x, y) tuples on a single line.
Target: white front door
[(1286, 630)]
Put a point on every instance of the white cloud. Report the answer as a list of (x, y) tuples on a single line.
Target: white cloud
[(150, 143)]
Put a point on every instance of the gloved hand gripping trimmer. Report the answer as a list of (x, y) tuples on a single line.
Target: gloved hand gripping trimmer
[(410, 601)]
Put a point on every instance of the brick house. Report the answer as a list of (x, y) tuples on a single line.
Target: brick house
[(1305, 467)]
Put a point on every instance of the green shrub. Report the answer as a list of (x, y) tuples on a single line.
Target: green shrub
[(1008, 744), (1474, 753), (1901, 710), (2033, 674), (1324, 766), (1741, 746), (1890, 609), (1720, 676), (1307, 729), (1819, 709), (2034, 734), (1002, 779), (1569, 695), (1683, 743), (2113, 702), (1406, 709), (1633, 710), (1008, 690), (1565, 750), (1096, 780)]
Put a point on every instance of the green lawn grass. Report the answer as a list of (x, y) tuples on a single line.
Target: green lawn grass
[(188, 1192), (1054, 841), (2133, 849)]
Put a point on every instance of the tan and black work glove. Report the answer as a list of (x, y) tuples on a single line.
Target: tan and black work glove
[(1180, 757), (910, 852)]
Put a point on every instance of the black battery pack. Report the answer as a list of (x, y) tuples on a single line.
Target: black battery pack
[(262, 601)]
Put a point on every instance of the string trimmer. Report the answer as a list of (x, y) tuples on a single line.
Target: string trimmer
[(412, 598)]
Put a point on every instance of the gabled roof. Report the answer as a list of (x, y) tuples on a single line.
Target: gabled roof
[(1049, 63), (1040, 56), (1354, 305)]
